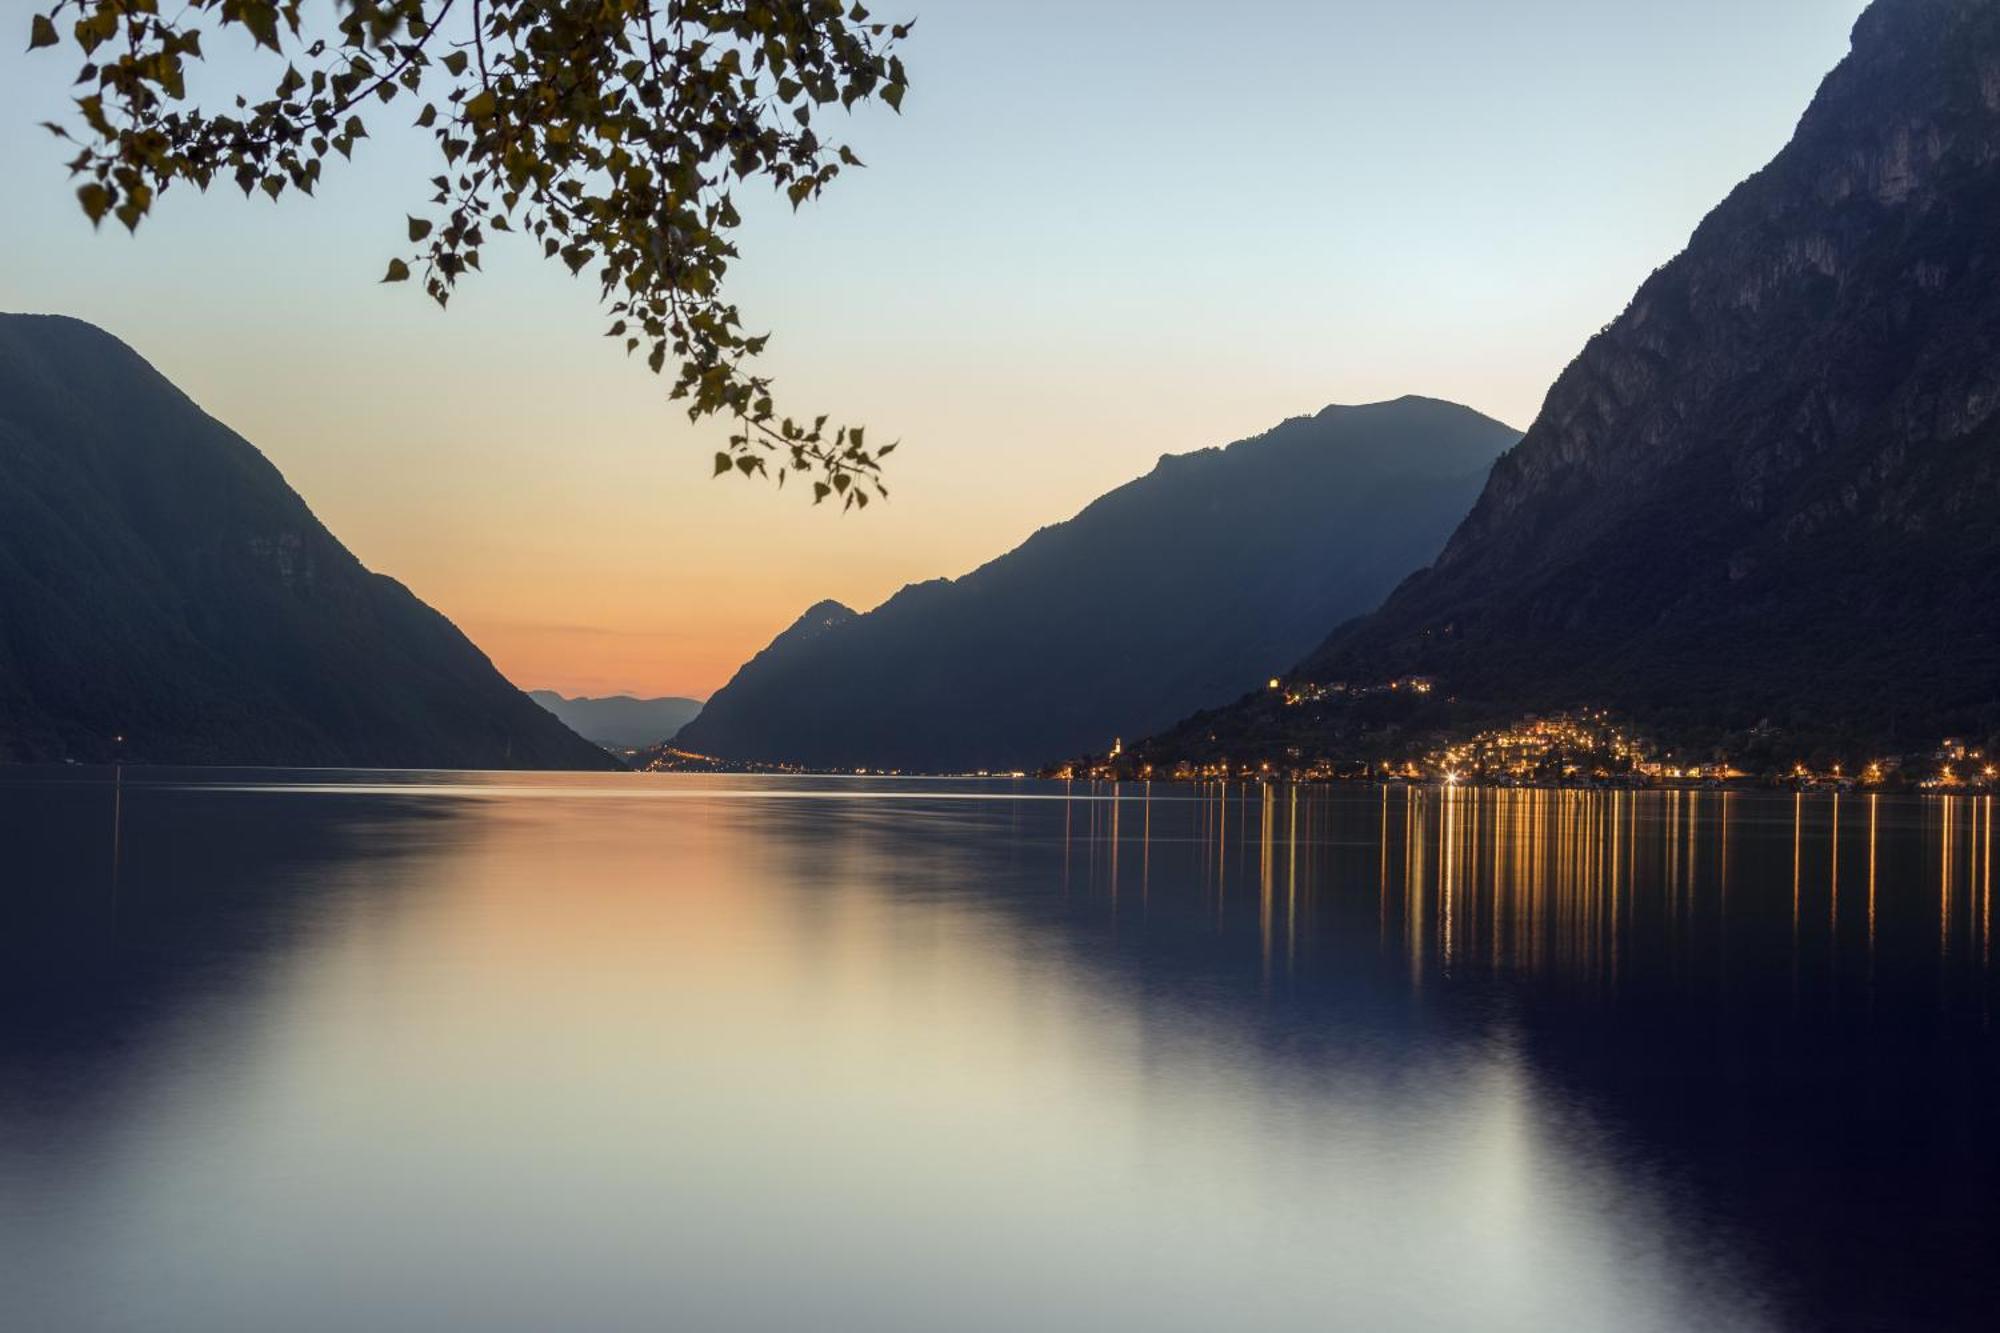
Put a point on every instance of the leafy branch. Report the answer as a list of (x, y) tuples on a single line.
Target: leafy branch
[(611, 132)]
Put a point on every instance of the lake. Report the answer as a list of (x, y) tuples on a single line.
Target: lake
[(375, 1051)]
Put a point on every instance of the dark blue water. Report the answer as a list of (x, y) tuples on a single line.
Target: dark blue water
[(447, 1052)]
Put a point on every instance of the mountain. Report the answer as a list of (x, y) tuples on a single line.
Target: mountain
[(620, 721), (770, 675), (160, 582), (1770, 490), (1178, 589)]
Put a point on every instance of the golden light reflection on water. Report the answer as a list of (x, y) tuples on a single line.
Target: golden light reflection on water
[(664, 1030), (1874, 816), (1564, 883), (1571, 883)]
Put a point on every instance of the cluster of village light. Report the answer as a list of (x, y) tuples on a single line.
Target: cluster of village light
[(1587, 748), (1312, 692), (1962, 767), (1561, 746)]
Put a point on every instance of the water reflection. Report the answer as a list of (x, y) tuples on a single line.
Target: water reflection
[(1781, 1003), (1572, 885), (605, 1053)]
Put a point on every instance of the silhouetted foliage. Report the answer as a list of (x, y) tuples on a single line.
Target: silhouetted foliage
[(611, 132)]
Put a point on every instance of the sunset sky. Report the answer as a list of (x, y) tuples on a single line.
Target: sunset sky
[(1099, 232)]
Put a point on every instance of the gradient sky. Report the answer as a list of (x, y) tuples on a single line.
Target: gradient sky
[(1099, 232)]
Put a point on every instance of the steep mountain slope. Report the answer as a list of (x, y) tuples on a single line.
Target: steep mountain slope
[(159, 582), (620, 720), (771, 674), (1177, 589), (1771, 489)]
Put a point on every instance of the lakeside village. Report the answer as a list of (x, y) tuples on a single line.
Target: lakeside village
[(1587, 748)]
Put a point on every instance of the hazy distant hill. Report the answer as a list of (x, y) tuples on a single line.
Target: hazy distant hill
[(620, 721), (1771, 489), (1175, 590), (160, 582)]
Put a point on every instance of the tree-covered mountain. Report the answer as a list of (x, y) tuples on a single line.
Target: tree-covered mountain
[(1178, 589), (620, 720), (166, 597), (1770, 491)]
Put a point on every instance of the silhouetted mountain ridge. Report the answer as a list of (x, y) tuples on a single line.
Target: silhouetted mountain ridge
[(160, 582), (1175, 589), (620, 721), (1771, 488)]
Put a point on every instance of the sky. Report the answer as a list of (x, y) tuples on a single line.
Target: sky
[(1098, 233)]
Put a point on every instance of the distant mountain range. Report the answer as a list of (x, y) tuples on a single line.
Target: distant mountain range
[(620, 721), (1770, 491), (166, 597), (1173, 591)]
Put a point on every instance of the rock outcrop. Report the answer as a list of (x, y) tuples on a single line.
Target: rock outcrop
[(1770, 490)]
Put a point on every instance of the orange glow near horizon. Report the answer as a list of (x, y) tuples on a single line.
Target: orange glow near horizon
[(1031, 349)]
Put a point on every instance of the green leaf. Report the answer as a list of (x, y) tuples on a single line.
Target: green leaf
[(455, 62), (481, 107), (41, 32), (722, 464), (419, 228), (398, 272)]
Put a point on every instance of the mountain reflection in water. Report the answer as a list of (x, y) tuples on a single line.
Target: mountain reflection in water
[(327, 1051)]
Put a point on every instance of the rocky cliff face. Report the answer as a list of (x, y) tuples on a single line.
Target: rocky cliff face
[(1823, 300), (1771, 488), (166, 597)]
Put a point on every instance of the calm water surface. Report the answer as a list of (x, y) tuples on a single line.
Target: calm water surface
[(449, 1052)]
